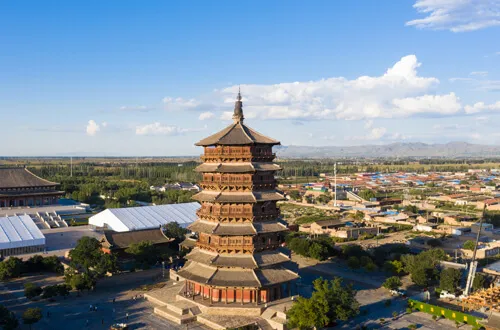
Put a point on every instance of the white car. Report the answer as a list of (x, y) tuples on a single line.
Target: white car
[(398, 292), (446, 294)]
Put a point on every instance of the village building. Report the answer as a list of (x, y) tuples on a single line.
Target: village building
[(19, 188), (116, 243), (338, 228), (237, 258)]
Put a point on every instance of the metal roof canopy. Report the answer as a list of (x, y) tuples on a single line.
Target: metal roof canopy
[(19, 231), (144, 217)]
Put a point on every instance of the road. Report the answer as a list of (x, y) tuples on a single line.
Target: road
[(73, 312)]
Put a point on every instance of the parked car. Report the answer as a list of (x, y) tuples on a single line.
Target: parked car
[(446, 294), (398, 292)]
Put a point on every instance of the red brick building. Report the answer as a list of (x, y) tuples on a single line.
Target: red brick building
[(237, 258), (19, 187)]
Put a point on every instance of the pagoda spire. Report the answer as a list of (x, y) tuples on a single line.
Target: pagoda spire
[(238, 109)]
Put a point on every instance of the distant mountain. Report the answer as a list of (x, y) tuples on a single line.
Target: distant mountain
[(393, 150)]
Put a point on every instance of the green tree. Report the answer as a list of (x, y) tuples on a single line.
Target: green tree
[(422, 266), (143, 252), (367, 194), (11, 268), (295, 195), (479, 282), (434, 242), (63, 290), (31, 290), (394, 267), (174, 230), (353, 262), (330, 301), (8, 320), (32, 315), (450, 279), (469, 245), (392, 283), (88, 257), (49, 291)]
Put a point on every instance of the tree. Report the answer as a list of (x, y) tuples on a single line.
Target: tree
[(8, 320), (434, 242), (63, 290), (479, 282), (11, 268), (469, 245), (367, 194), (450, 279), (32, 315), (330, 301), (392, 283), (80, 282), (174, 230), (31, 290), (353, 262), (89, 259), (295, 195), (143, 252), (49, 291), (394, 267), (422, 266)]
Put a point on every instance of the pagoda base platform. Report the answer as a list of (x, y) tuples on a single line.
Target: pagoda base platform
[(182, 310)]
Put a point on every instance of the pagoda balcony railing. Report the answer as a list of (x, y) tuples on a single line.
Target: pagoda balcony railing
[(235, 184), (249, 215), (214, 246), (246, 155)]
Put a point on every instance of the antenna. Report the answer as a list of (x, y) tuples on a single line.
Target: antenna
[(71, 166), (335, 183)]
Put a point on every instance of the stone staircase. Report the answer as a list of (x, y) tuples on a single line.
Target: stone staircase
[(181, 312)]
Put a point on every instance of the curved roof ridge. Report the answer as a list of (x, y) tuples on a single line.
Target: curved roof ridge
[(36, 176)]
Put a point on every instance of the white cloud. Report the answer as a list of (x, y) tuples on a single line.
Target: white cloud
[(400, 92), (457, 15), (180, 104), (375, 133), (206, 115), (92, 128), (481, 106), (104, 124), (431, 104), (337, 98), (160, 129), (368, 124), (479, 73), (140, 108), (440, 127)]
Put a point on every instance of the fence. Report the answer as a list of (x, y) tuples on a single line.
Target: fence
[(446, 313)]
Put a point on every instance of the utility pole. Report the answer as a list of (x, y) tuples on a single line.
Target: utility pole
[(335, 183), (473, 263), (71, 166)]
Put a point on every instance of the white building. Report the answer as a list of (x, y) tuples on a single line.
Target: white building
[(20, 235), (135, 218)]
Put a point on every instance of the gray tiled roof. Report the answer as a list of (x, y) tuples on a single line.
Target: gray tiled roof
[(238, 278), (244, 197), (237, 134), (21, 177)]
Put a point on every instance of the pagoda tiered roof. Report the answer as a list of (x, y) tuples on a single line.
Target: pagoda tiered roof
[(223, 229), (237, 134), (251, 261), (237, 167), (238, 197)]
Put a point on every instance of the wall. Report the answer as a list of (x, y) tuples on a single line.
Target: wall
[(139, 277)]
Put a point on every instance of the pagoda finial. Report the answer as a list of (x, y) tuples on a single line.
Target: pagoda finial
[(238, 108)]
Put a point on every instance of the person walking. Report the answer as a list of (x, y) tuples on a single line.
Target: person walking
[(127, 316), (90, 308), (102, 321)]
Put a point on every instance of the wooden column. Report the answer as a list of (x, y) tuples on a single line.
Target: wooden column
[(226, 295), (210, 294), (242, 296)]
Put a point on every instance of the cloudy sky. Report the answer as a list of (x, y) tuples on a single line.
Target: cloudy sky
[(152, 78)]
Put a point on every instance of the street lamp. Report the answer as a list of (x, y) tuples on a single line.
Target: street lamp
[(163, 269)]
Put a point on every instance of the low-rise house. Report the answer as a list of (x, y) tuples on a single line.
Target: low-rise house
[(338, 228), (117, 242)]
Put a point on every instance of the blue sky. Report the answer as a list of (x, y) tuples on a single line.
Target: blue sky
[(151, 78)]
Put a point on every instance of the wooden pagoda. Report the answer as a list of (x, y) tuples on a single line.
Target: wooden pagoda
[(238, 258)]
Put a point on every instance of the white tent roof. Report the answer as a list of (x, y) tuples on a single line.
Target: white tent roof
[(135, 218), (19, 231)]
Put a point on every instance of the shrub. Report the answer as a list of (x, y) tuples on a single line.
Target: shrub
[(392, 283), (50, 291), (353, 262), (31, 290), (409, 310)]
